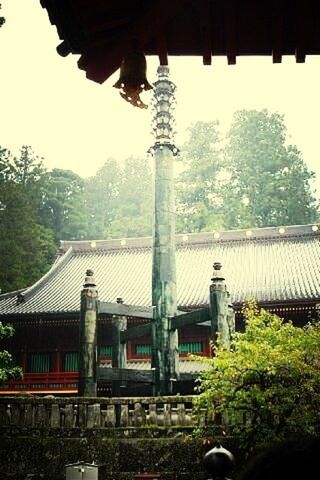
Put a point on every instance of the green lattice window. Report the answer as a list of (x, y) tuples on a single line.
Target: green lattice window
[(142, 349), (184, 348), (40, 362), (71, 361), (191, 347), (105, 351)]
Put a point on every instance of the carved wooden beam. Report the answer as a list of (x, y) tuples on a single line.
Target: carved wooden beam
[(134, 375), (231, 31), (277, 30), (123, 310), (301, 30), (125, 375), (104, 58), (136, 332), (190, 318), (205, 23)]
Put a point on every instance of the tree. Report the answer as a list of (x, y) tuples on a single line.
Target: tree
[(8, 370), (269, 182), (101, 195), (134, 205), (63, 206), (268, 384), (26, 246), (198, 195)]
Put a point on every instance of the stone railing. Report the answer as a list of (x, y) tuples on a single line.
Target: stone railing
[(96, 413)]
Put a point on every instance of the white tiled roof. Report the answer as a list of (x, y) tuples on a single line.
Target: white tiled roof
[(267, 265)]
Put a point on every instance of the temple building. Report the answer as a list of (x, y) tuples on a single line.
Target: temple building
[(279, 267)]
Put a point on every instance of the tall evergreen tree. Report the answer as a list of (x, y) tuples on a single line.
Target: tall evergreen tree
[(269, 182), (197, 186), (63, 206), (26, 246), (101, 196), (134, 206)]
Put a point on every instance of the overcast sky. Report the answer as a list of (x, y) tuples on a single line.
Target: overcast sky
[(74, 123)]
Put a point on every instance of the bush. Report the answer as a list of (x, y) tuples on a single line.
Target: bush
[(266, 387)]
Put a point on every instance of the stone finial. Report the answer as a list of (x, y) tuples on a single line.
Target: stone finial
[(89, 278), (217, 272)]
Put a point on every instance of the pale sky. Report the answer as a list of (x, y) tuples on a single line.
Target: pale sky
[(74, 123)]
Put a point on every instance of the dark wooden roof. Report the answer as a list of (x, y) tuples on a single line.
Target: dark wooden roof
[(103, 32), (277, 266)]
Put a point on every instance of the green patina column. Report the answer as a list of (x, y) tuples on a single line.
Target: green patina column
[(222, 318), (88, 338), (119, 349), (165, 353)]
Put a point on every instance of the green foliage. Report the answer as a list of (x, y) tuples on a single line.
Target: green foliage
[(119, 200), (8, 370), (267, 386), (268, 182), (101, 193), (26, 246), (197, 187), (255, 180), (134, 206), (63, 208)]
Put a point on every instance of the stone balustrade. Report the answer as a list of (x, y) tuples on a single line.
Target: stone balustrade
[(96, 413)]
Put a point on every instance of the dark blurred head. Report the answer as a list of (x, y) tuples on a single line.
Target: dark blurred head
[(297, 459)]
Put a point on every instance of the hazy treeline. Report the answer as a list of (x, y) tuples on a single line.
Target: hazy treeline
[(250, 179)]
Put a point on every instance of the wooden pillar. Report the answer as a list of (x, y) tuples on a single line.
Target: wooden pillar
[(221, 320), (88, 338), (23, 360), (56, 360), (165, 353), (119, 349)]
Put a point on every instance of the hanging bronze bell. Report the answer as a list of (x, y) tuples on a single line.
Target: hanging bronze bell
[(133, 78)]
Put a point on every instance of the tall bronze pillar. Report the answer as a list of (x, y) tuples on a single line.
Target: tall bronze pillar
[(165, 354)]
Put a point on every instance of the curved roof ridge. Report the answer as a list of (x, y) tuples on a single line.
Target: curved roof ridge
[(253, 233), (54, 269)]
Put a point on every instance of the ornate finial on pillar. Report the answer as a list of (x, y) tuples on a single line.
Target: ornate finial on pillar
[(217, 276), (163, 109), (89, 280)]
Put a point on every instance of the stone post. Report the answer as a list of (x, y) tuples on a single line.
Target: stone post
[(165, 353), (222, 321), (88, 338), (119, 349)]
